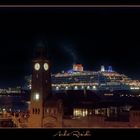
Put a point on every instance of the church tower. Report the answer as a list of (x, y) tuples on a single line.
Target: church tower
[(41, 87)]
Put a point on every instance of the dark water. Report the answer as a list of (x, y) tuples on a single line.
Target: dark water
[(13, 103)]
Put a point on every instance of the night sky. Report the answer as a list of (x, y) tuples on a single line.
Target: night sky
[(91, 36)]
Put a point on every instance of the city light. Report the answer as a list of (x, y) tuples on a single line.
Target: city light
[(78, 112), (37, 96)]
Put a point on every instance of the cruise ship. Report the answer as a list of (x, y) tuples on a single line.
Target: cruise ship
[(105, 79)]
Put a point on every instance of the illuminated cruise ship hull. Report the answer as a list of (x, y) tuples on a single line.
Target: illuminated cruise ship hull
[(78, 79)]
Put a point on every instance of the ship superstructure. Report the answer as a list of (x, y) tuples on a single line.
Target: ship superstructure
[(80, 79)]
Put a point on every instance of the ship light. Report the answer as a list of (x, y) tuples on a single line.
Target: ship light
[(30, 86), (75, 87), (94, 87), (57, 88), (133, 88), (66, 88), (88, 87)]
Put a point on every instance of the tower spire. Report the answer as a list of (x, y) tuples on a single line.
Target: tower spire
[(41, 50), (41, 86)]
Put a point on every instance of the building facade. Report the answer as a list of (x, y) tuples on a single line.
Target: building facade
[(44, 110)]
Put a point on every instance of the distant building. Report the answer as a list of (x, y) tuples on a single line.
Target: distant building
[(135, 116)]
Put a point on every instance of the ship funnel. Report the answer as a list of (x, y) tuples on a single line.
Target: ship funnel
[(78, 67), (102, 68), (110, 69)]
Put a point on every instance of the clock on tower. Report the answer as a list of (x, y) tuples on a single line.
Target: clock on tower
[(41, 88)]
